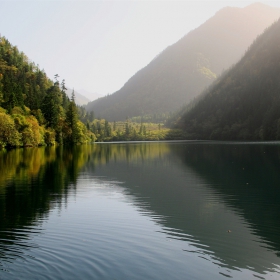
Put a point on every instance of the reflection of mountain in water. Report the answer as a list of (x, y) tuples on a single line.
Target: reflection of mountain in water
[(194, 191), (248, 178), (201, 190)]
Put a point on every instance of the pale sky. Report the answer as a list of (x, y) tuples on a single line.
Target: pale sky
[(98, 45)]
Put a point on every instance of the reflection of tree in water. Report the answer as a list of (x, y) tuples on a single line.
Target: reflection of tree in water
[(33, 181), (132, 152)]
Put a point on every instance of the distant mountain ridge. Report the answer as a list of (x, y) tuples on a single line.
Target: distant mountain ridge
[(183, 70), (79, 98), (89, 94), (244, 104)]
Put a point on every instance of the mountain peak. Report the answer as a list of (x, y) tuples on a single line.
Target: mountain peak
[(257, 5), (261, 8)]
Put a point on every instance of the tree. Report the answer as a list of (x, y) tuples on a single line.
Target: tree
[(65, 99), (126, 128), (51, 106), (144, 130), (107, 129), (91, 116), (9, 136), (56, 79), (72, 119)]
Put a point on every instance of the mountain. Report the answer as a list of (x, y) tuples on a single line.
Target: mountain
[(244, 104), (79, 98), (183, 70), (34, 110), (91, 95)]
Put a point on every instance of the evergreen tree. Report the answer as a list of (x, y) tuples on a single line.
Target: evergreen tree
[(65, 99), (126, 128), (56, 79), (91, 116), (107, 129), (72, 119), (51, 106)]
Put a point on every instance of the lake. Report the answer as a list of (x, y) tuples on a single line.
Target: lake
[(161, 210)]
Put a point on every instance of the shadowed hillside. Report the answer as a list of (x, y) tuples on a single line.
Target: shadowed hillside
[(186, 68), (245, 102)]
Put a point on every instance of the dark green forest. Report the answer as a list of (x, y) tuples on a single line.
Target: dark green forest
[(243, 104), (34, 110)]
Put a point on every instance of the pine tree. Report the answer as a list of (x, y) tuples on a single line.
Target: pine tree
[(51, 106), (72, 119), (107, 129), (91, 116), (65, 99)]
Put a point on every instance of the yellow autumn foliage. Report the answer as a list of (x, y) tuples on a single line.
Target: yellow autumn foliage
[(9, 136)]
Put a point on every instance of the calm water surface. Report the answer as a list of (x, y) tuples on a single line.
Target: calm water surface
[(185, 210)]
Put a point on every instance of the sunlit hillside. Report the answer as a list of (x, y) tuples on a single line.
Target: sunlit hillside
[(184, 69)]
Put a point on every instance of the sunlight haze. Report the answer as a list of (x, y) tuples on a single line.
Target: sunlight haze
[(96, 46)]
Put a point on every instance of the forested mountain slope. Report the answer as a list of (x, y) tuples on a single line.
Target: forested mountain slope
[(244, 104), (186, 68), (34, 110)]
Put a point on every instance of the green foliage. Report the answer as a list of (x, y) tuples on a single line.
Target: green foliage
[(22, 83), (9, 136), (65, 99), (34, 110), (49, 137), (51, 106), (207, 73), (72, 121), (131, 131), (152, 118)]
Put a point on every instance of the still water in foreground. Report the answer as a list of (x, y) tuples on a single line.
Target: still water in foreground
[(184, 210)]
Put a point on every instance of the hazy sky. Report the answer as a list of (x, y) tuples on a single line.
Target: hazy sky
[(98, 45)]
